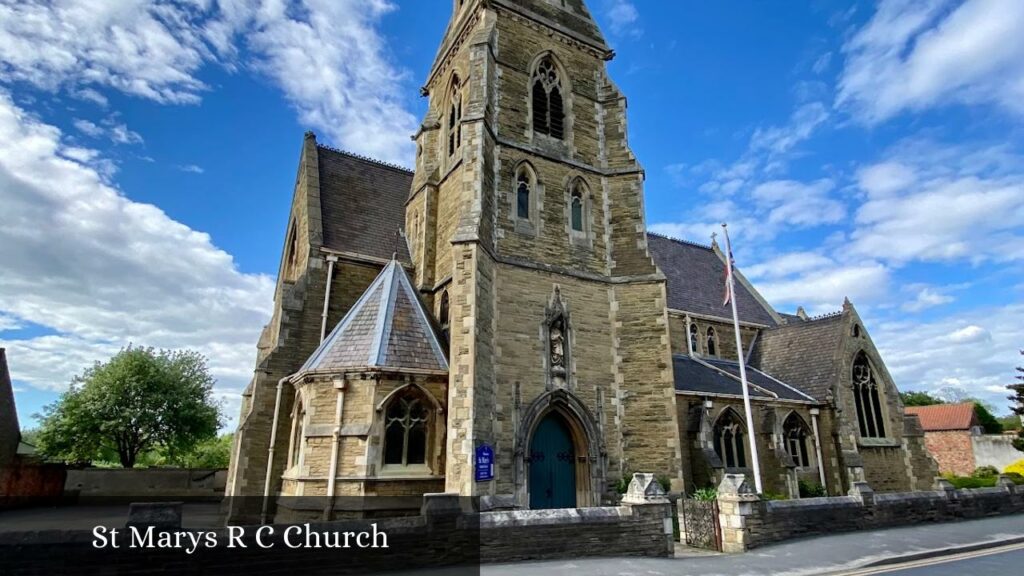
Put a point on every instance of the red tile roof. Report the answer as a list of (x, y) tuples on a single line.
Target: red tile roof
[(945, 416)]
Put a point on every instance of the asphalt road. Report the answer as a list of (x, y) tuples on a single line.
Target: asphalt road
[(979, 564)]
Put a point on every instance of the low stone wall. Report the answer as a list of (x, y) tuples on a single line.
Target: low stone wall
[(748, 522), (147, 483), (23, 484), (631, 530), (447, 534)]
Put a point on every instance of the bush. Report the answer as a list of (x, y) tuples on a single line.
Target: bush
[(774, 496), (985, 472), (1015, 468), (969, 482), (811, 490), (1018, 479), (705, 494)]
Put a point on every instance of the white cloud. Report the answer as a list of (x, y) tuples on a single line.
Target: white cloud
[(931, 202), (916, 55), (326, 56), (117, 132), (821, 64), (623, 18), (927, 297), (191, 169), (123, 272), (974, 351), (802, 124), (8, 322), (822, 289), (787, 264), (788, 202)]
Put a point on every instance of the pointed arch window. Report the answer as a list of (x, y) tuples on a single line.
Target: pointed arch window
[(729, 440), (867, 400), (546, 94), (443, 316), (406, 426), (299, 433), (576, 210), (694, 339), (525, 184), (455, 117), (795, 432), (712, 342), (291, 261)]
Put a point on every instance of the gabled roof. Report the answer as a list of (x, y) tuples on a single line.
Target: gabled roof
[(717, 376), (9, 432), (945, 416), (802, 353), (387, 328), (696, 281), (362, 204)]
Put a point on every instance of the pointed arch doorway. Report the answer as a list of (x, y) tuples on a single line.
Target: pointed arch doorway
[(552, 465)]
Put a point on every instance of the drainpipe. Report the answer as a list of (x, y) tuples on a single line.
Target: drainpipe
[(339, 405), (270, 451), (817, 446), (327, 295)]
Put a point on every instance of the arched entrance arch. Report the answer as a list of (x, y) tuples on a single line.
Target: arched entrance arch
[(558, 423)]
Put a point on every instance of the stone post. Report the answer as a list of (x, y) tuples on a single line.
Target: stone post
[(1006, 483), (737, 502), (647, 498), (863, 492), (945, 487)]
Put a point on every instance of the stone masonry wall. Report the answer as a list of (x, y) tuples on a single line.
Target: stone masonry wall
[(748, 522)]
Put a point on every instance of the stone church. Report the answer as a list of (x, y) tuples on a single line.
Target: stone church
[(505, 297)]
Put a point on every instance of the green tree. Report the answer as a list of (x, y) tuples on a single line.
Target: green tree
[(989, 422), (212, 453), (138, 401), (919, 399), (1018, 403)]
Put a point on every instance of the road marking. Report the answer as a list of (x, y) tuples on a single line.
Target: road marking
[(932, 561)]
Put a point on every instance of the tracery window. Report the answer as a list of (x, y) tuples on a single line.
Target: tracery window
[(299, 434), (712, 342), (292, 254), (694, 339), (443, 316), (455, 118), (548, 108), (524, 191), (867, 399), (729, 440), (795, 433), (405, 430)]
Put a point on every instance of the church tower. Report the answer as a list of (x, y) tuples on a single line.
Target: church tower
[(526, 230)]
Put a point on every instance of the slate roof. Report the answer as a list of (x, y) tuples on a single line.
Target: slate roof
[(387, 328), (801, 353), (362, 203), (945, 416), (696, 281), (716, 376)]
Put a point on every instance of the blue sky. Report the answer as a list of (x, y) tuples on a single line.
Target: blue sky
[(865, 149)]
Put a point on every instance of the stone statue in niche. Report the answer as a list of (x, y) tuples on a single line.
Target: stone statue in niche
[(556, 330), (558, 344)]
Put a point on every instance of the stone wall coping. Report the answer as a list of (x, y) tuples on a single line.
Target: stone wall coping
[(559, 516), (812, 503), (896, 497)]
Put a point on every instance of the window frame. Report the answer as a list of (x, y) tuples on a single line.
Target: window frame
[(548, 76), (728, 422), (795, 433), (711, 342), (415, 396), (867, 399)]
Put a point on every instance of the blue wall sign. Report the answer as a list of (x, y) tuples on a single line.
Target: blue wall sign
[(484, 463)]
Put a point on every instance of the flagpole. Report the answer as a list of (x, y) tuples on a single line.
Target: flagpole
[(742, 363)]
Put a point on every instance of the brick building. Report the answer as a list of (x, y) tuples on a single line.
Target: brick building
[(574, 344), (956, 439)]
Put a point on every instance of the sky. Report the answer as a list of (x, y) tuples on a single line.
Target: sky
[(871, 150)]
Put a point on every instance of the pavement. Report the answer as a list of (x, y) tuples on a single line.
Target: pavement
[(822, 555)]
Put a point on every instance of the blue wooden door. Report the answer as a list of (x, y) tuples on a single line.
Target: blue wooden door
[(552, 465)]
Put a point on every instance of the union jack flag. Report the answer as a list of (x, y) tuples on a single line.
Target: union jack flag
[(728, 272)]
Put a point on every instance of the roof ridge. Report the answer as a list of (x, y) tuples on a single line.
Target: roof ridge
[(680, 240), (825, 316), (365, 158)]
